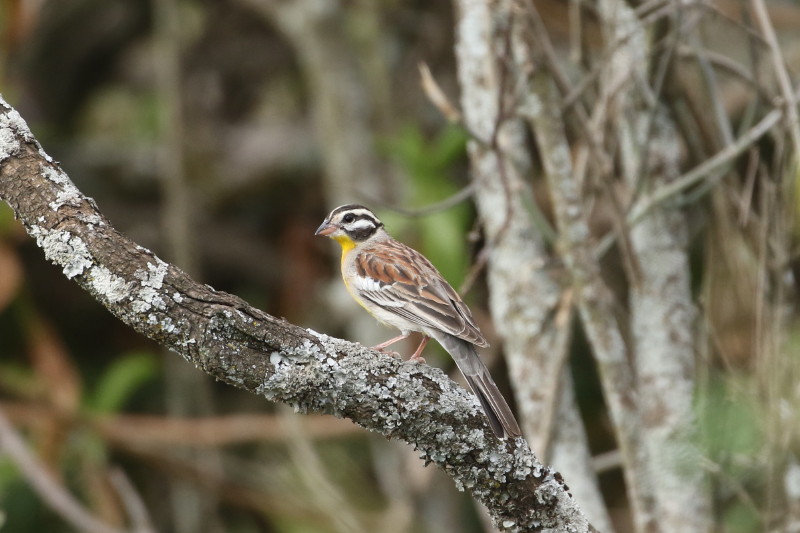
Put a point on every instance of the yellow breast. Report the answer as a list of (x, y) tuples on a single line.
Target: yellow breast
[(348, 245)]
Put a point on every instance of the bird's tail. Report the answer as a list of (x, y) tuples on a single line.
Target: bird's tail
[(480, 381)]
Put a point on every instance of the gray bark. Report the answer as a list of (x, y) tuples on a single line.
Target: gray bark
[(661, 307), (594, 299), (525, 301)]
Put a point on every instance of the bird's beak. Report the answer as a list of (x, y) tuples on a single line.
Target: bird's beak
[(326, 228)]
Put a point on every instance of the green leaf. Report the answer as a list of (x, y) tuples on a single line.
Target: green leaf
[(121, 379), (449, 147), (741, 518), (731, 424), (428, 162)]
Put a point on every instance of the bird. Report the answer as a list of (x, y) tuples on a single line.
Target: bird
[(401, 288)]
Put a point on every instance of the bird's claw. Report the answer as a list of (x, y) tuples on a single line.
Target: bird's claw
[(387, 352)]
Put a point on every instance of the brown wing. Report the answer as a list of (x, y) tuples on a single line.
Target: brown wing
[(403, 281)]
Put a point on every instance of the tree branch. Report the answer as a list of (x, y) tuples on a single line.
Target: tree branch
[(245, 347)]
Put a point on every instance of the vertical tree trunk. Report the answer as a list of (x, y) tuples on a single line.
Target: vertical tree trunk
[(661, 308), (526, 303)]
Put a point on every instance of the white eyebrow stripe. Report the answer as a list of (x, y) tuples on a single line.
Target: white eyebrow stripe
[(362, 213), (360, 224)]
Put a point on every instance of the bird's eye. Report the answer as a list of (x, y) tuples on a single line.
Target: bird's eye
[(348, 218)]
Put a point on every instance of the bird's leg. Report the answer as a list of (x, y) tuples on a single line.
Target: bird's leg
[(417, 357), (391, 341)]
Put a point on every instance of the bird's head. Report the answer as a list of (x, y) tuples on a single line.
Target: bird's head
[(350, 224)]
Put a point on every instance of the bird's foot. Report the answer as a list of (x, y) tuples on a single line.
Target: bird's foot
[(391, 353), (416, 358)]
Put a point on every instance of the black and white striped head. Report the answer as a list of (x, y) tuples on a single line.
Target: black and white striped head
[(350, 222)]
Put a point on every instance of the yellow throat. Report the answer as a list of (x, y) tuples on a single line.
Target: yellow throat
[(346, 243)]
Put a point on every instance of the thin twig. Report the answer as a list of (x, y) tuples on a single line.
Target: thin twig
[(564, 85), (132, 501), (451, 201), (725, 63), (324, 493), (562, 322), (606, 461), (477, 267), (153, 431), (437, 96), (733, 483), (575, 30), (651, 97), (722, 157), (698, 173), (746, 201), (440, 100), (716, 9), (46, 486), (650, 7), (574, 91), (779, 64)]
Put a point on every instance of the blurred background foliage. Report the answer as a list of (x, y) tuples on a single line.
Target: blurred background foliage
[(240, 101)]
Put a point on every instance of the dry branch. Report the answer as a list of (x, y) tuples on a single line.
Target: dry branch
[(245, 347), (43, 482), (149, 431)]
